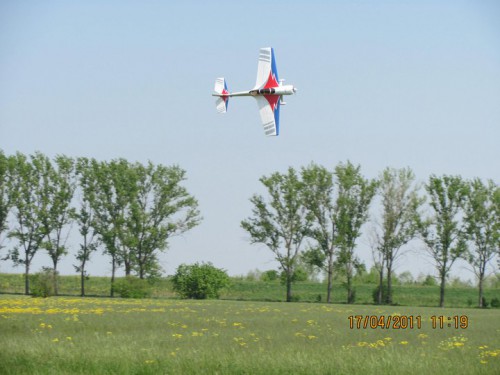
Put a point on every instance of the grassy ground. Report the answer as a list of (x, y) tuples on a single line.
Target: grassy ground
[(61, 335), (406, 295)]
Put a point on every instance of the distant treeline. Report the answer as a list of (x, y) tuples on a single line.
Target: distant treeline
[(310, 218)]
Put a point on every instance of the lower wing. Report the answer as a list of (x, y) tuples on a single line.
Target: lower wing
[(269, 110)]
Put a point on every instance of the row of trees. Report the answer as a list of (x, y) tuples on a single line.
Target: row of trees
[(130, 210), (315, 216), (311, 216)]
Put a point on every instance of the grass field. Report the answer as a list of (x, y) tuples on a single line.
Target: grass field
[(247, 290), (61, 335)]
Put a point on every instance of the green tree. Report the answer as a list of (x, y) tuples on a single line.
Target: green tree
[(113, 187), (58, 189), (5, 192), (355, 194), (483, 227), (199, 281), (324, 210), (444, 233), (85, 217), (137, 209), (282, 223), (399, 221), (161, 208), (27, 198)]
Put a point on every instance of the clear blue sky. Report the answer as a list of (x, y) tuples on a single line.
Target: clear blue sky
[(386, 83)]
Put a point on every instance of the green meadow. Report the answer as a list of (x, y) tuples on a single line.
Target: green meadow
[(72, 335), (243, 289)]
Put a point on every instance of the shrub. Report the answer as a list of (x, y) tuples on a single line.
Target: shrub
[(132, 287), (271, 275), (199, 281), (495, 302), (429, 281), (299, 274), (254, 275), (42, 283)]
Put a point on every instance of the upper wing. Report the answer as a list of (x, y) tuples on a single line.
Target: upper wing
[(269, 110), (267, 73)]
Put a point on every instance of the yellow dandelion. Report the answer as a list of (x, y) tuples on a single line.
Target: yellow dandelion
[(68, 338), (55, 340), (403, 342), (109, 333), (173, 354), (312, 337)]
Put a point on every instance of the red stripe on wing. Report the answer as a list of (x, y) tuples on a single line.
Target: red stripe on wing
[(271, 81), (272, 100)]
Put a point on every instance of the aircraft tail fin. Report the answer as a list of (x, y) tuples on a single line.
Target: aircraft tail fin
[(223, 95)]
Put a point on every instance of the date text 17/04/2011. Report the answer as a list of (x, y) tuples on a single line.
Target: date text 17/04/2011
[(406, 321)]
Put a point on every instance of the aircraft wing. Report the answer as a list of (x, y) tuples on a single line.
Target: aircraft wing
[(267, 73), (269, 110)]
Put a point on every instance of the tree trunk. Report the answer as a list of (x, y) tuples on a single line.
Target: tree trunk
[(350, 298), (128, 269), (289, 286), (113, 270), (380, 285), (54, 275), (480, 303), (26, 277), (330, 277), (389, 282), (441, 290), (82, 279)]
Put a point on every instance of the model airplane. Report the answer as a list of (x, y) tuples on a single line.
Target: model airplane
[(268, 92)]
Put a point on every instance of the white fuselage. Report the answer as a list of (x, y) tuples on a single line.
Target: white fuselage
[(280, 90)]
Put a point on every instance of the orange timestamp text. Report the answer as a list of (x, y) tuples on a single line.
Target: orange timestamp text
[(406, 321)]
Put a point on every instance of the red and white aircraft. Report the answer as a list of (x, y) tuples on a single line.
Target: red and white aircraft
[(268, 92)]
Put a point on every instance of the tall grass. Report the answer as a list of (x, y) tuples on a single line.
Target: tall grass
[(62, 335)]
